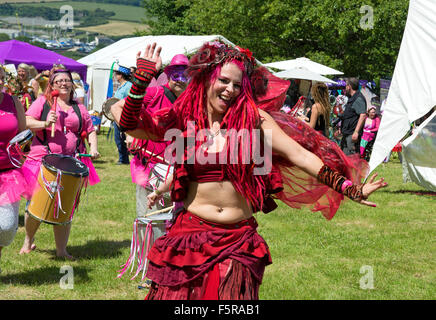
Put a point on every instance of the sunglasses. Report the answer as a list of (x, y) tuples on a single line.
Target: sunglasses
[(62, 81), (57, 71), (177, 73)]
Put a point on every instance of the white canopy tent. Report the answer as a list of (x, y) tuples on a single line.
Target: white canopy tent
[(419, 154), (303, 63), (413, 89), (124, 51), (302, 73)]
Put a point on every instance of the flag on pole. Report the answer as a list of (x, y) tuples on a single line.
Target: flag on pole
[(110, 87)]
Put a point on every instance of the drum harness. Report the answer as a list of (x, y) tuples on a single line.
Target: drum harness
[(46, 109), (54, 188)]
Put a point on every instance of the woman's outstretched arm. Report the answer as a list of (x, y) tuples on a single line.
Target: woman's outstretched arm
[(310, 163)]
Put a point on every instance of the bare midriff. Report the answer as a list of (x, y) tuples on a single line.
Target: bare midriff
[(217, 202)]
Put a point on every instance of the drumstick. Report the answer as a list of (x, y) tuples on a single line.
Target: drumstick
[(159, 211), (156, 156), (55, 95)]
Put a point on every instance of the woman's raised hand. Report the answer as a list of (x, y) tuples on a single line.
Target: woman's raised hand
[(151, 53), (371, 186)]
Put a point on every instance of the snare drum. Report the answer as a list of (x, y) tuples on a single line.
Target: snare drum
[(19, 147), (58, 190), (145, 232)]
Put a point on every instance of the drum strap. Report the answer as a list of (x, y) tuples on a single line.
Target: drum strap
[(46, 109), (169, 94), (14, 152)]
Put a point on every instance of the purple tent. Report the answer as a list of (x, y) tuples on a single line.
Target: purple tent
[(16, 52)]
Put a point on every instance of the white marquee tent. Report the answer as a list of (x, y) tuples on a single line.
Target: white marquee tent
[(413, 88), (303, 63), (124, 51), (302, 73)]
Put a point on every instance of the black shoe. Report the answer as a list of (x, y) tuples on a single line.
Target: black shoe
[(120, 163)]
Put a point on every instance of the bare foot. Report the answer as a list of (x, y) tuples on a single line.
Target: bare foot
[(28, 247), (65, 256)]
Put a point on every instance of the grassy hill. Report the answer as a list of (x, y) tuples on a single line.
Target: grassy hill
[(116, 28), (122, 12)]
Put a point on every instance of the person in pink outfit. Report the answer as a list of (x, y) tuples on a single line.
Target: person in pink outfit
[(13, 184), (148, 166), (372, 123), (68, 139)]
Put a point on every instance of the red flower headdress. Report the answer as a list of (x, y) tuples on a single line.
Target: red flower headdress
[(215, 53)]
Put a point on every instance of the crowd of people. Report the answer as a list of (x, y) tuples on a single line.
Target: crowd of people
[(211, 249), (346, 119)]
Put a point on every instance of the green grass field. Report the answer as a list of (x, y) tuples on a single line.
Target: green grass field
[(122, 12), (312, 258)]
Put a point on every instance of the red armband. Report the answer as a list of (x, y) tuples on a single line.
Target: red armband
[(340, 184), (146, 70)]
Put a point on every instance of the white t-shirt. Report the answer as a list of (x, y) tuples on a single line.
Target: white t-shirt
[(80, 93)]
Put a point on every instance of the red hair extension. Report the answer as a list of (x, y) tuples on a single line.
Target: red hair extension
[(242, 114)]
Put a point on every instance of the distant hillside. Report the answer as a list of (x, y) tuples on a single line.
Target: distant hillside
[(86, 17), (136, 3), (122, 12)]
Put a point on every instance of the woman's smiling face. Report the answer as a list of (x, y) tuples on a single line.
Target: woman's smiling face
[(22, 74), (63, 83), (225, 89)]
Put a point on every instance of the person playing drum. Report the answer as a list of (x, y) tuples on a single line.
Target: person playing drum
[(213, 251), (72, 125), (148, 167), (13, 184)]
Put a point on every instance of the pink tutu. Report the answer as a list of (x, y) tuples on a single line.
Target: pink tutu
[(13, 185), (30, 171), (93, 176), (139, 172)]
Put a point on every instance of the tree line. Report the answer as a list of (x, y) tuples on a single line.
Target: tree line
[(359, 37)]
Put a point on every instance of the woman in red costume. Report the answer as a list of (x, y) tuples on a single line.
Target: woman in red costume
[(213, 250)]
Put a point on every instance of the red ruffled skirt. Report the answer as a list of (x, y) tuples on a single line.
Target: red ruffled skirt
[(199, 259)]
